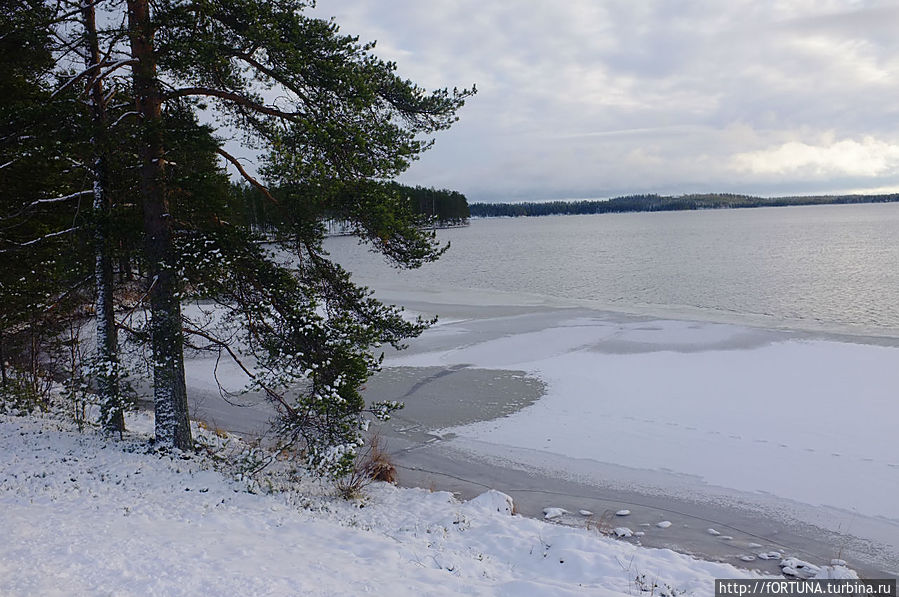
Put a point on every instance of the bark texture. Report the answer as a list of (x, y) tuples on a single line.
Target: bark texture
[(169, 390), (108, 390)]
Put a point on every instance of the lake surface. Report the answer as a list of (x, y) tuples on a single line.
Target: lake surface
[(828, 268)]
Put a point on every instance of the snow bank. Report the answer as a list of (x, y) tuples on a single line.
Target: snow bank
[(81, 516)]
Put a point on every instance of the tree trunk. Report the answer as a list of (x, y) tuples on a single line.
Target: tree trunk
[(3, 358), (108, 390), (169, 390)]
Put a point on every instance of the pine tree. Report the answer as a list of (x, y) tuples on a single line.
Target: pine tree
[(348, 125), (42, 282), (344, 125)]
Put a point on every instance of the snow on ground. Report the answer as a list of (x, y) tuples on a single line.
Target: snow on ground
[(802, 419), (84, 516)]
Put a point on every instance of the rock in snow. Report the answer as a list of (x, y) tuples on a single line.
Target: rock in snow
[(495, 501), (585, 512), (712, 532), (799, 568), (623, 513), (551, 513), (770, 555), (664, 524), (623, 532)]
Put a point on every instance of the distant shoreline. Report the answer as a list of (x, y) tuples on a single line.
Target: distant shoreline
[(644, 203)]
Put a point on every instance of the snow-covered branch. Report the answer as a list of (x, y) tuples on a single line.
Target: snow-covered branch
[(43, 238), (38, 202), (103, 74), (122, 117)]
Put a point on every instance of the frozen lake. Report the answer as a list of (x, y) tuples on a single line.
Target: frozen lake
[(831, 268)]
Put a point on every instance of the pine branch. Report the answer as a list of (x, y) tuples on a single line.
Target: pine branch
[(224, 346), (231, 97), (246, 175)]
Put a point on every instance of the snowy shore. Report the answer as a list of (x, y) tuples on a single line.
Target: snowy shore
[(798, 427), (785, 437), (84, 516)]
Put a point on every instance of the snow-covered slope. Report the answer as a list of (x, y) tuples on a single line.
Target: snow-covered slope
[(84, 516)]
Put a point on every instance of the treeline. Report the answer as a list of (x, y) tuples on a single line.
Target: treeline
[(634, 203), (450, 208), (428, 206)]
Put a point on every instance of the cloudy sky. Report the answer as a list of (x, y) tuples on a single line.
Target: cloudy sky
[(598, 98)]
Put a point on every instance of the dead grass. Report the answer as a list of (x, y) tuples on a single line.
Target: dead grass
[(372, 464), (603, 525)]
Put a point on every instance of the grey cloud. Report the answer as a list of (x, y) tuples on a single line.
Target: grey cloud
[(586, 98)]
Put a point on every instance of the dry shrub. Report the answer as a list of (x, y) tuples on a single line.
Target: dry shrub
[(602, 525), (376, 462), (372, 464)]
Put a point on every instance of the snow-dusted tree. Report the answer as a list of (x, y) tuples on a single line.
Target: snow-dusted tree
[(41, 280), (106, 365), (343, 124)]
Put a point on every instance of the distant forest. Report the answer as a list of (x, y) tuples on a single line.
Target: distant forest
[(449, 207), (633, 203), (440, 207)]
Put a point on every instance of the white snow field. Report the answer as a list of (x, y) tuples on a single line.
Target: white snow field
[(809, 420), (81, 515)]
